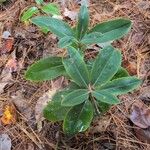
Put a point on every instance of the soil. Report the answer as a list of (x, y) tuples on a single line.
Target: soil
[(112, 131)]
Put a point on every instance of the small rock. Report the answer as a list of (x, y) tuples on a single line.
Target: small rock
[(6, 34)]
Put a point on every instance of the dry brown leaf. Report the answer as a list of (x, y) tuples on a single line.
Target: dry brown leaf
[(42, 101), (12, 65), (7, 45), (5, 78), (145, 93), (9, 115), (70, 14), (140, 115), (24, 107), (143, 134), (6, 75), (2, 86), (7, 42)]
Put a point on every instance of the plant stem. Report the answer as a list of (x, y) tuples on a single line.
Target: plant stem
[(95, 105)]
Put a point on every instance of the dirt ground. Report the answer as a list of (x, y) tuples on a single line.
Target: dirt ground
[(112, 131)]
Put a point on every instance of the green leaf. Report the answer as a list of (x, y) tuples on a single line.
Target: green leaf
[(1, 1), (76, 97), (105, 66), (103, 45), (65, 41), (105, 97), (83, 21), (122, 72), (78, 119), (61, 94), (110, 30), (51, 8), (56, 26), (45, 69), (92, 38), (29, 13), (39, 2), (73, 86), (54, 111), (45, 30), (121, 85), (103, 107), (76, 68), (90, 64)]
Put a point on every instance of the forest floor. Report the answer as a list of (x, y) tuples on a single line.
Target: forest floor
[(27, 44)]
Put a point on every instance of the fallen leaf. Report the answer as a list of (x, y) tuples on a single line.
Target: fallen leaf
[(7, 45), (5, 78), (24, 107), (12, 65), (9, 115), (2, 86), (140, 115), (5, 142), (7, 42), (70, 14), (6, 75), (5, 81), (143, 134), (145, 93), (42, 102), (46, 97)]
